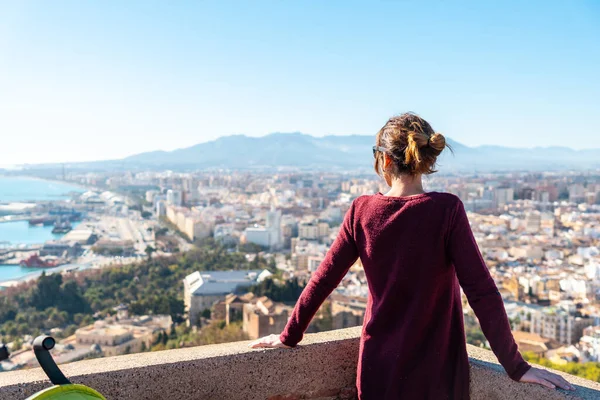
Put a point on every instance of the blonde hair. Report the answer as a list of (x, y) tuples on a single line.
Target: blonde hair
[(412, 143)]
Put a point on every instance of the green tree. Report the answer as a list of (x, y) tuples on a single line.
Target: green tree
[(149, 250), (47, 291), (71, 299)]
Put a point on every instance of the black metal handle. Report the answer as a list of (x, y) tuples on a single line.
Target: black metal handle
[(41, 346)]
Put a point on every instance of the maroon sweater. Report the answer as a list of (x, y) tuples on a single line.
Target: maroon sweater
[(415, 250)]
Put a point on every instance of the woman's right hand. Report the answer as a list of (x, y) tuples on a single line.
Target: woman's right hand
[(546, 378), (268, 342)]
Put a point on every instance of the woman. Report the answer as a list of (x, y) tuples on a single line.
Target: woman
[(416, 248)]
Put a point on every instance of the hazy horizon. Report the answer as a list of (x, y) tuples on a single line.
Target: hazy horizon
[(101, 81), (10, 166)]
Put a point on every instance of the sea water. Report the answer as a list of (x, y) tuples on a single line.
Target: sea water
[(15, 190)]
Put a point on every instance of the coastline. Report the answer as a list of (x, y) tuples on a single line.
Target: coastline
[(15, 208), (34, 275), (83, 187), (37, 178)]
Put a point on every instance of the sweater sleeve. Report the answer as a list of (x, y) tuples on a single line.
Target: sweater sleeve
[(338, 260), (483, 295)]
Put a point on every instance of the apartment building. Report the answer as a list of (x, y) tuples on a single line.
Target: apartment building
[(558, 324)]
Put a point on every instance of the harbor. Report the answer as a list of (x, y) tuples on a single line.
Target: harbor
[(82, 229), (33, 213)]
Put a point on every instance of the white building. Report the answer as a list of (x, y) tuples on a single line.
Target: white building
[(150, 194), (269, 235), (202, 290), (503, 196), (274, 225), (533, 222), (590, 343), (308, 231), (258, 235), (174, 198), (573, 287), (592, 270)]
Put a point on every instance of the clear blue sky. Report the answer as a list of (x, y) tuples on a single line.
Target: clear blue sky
[(84, 80)]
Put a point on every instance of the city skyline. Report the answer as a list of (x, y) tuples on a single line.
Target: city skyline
[(517, 75)]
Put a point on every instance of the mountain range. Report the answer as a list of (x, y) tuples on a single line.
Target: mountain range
[(354, 151), (350, 152)]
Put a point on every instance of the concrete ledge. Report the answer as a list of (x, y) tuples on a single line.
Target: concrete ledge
[(323, 367), (489, 381)]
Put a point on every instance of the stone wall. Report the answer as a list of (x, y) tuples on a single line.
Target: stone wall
[(323, 367)]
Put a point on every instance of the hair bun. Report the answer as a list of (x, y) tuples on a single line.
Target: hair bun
[(412, 142), (437, 141)]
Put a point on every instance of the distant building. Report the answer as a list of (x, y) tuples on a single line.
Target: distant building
[(158, 199), (231, 309), (263, 317), (528, 252), (308, 231), (81, 235), (576, 193), (534, 343), (347, 311), (202, 289), (113, 339), (269, 235), (590, 343), (314, 261), (515, 289), (258, 235), (174, 198), (224, 233), (273, 224), (559, 325), (110, 244), (299, 261), (547, 224), (58, 248), (161, 209), (533, 222), (128, 335), (196, 229), (150, 194), (503, 196)]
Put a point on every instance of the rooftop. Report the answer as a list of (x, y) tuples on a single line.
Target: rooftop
[(221, 282), (323, 367)]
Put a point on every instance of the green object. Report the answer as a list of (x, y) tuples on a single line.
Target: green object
[(67, 392)]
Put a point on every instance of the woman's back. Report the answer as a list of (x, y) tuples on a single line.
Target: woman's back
[(401, 243), (413, 323), (412, 249)]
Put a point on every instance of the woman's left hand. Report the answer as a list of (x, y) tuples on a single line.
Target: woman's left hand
[(268, 342)]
